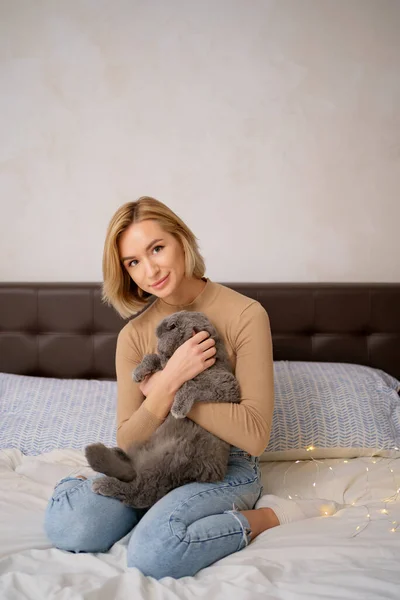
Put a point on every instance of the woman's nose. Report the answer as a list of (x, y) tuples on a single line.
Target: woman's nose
[(151, 269)]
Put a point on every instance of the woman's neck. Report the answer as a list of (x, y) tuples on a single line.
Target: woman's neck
[(188, 291)]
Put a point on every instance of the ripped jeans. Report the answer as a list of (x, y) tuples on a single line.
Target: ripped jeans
[(187, 530)]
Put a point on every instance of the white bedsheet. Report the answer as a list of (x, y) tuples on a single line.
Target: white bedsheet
[(317, 559)]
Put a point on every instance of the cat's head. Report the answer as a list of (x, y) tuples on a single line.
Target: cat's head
[(175, 329)]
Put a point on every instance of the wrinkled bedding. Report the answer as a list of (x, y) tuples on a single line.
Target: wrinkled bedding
[(316, 559)]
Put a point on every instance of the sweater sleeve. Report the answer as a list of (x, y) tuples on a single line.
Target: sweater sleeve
[(142, 423), (246, 425)]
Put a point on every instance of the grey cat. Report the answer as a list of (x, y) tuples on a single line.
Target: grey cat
[(179, 451)]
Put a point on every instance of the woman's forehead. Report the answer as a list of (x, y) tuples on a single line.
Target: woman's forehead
[(138, 236)]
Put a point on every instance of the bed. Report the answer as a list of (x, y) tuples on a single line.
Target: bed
[(61, 336)]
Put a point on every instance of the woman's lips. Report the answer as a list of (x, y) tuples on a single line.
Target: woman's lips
[(159, 285)]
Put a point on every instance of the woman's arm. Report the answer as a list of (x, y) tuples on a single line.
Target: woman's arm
[(137, 417), (246, 425)]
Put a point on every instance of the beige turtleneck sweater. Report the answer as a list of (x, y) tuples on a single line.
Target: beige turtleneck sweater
[(244, 327)]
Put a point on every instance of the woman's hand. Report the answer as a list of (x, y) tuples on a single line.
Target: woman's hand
[(191, 358), (148, 382)]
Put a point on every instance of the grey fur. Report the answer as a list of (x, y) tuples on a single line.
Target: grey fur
[(179, 451)]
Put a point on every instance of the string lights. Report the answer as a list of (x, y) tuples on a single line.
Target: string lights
[(373, 460)]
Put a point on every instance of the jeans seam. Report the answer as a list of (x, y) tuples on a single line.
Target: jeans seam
[(245, 530), (68, 491), (185, 502), (247, 457), (215, 537)]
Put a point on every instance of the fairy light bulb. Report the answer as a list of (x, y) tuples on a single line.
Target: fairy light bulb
[(326, 510)]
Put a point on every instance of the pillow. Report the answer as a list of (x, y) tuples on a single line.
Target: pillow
[(340, 410), (39, 414)]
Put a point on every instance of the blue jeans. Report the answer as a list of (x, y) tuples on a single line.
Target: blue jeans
[(188, 529)]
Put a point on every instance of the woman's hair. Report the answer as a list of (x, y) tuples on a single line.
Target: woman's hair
[(119, 290)]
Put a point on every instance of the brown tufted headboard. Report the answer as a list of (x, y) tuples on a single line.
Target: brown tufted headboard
[(64, 330)]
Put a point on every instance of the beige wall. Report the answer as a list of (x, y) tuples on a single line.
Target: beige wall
[(271, 127)]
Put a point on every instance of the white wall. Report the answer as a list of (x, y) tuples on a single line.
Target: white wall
[(271, 127)]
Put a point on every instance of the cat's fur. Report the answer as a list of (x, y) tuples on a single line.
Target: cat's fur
[(179, 451)]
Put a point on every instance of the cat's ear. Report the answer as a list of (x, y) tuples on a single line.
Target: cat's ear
[(161, 328)]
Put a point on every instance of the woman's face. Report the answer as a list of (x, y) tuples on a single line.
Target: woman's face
[(150, 254)]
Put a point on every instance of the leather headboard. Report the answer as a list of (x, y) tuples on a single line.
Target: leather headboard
[(64, 330)]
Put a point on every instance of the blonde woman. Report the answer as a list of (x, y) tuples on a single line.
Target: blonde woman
[(152, 266)]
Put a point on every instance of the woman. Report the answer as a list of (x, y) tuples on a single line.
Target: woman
[(150, 253)]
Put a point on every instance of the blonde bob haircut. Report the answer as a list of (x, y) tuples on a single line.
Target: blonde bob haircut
[(119, 290)]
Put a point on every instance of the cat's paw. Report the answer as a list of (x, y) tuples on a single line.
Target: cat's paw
[(140, 373), (106, 486), (179, 411), (150, 364), (97, 455)]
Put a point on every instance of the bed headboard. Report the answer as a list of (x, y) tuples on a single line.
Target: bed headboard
[(64, 330)]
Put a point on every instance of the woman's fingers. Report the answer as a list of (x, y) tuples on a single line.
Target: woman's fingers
[(210, 343), (203, 339), (199, 337), (209, 353)]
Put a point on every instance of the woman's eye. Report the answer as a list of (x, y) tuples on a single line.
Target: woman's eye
[(135, 261)]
